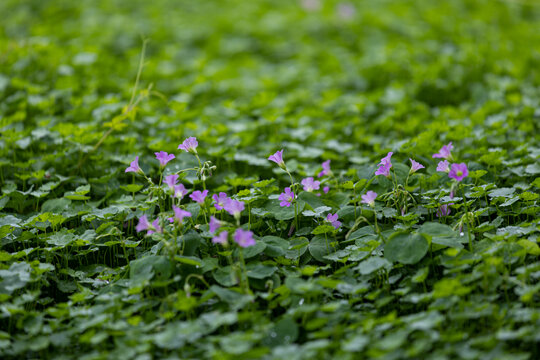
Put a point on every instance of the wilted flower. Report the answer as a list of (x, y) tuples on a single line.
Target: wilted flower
[(134, 166), (220, 200), (443, 166), (369, 198), (199, 196), (458, 171), (221, 238), (180, 191), (244, 238), (333, 219), (171, 180), (234, 207), (214, 224), (310, 184), (143, 224), (179, 214), (415, 166), (278, 158), (164, 158), (443, 210), (325, 169), (189, 145), (286, 197), (445, 152), (154, 228)]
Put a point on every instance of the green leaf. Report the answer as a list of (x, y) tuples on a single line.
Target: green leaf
[(406, 248)]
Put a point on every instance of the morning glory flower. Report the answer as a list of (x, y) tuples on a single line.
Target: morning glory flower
[(171, 180), (134, 166), (443, 166), (164, 158), (143, 224), (234, 207), (415, 166), (310, 184), (286, 197), (214, 224), (385, 165), (278, 158), (444, 210), (244, 238), (179, 214), (221, 238), (154, 228), (220, 200), (325, 169), (369, 198), (199, 196), (445, 152), (180, 191), (333, 219), (458, 171), (189, 145)]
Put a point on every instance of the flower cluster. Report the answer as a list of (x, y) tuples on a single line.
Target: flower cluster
[(455, 171)]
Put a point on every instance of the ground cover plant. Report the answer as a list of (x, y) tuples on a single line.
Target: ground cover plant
[(269, 179)]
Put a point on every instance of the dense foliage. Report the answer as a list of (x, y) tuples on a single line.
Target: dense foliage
[(434, 263)]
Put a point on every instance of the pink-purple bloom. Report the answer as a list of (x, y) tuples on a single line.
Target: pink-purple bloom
[(164, 158), (310, 184), (199, 196), (415, 166), (179, 214), (325, 169), (286, 197), (221, 238), (220, 200), (214, 224), (443, 210), (234, 207), (278, 158), (443, 166), (180, 191), (445, 152), (134, 166), (385, 165), (333, 219), (154, 228), (326, 189), (244, 238), (171, 180), (189, 145), (143, 224), (369, 198), (458, 171)]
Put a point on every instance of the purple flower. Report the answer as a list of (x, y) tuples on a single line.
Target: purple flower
[(415, 166), (384, 170), (310, 184), (278, 158), (333, 219), (444, 210), (154, 228), (179, 214), (134, 166), (387, 159), (199, 196), (143, 224), (189, 145), (244, 238), (369, 198), (214, 224), (326, 189), (220, 200), (221, 238), (170, 180), (286, 197), (234, 207), (180, 191), (458, 171), (164, 158), (325, 169), (443, 166), (445, 152)]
